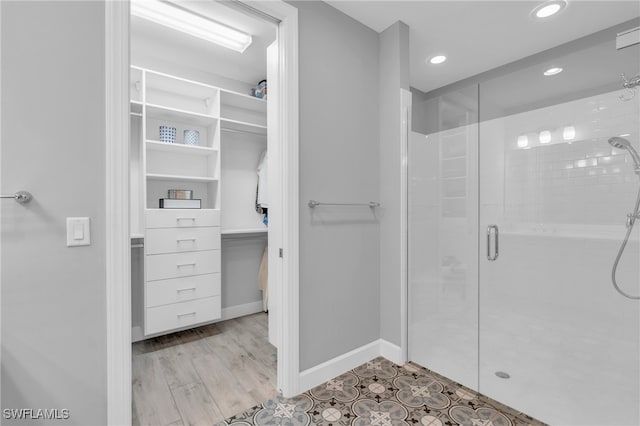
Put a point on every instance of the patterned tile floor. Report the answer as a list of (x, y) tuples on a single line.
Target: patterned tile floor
[(385, 394)]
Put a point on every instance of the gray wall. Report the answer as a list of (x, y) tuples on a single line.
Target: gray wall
[(394, 75), (53, 297), (339, 161)]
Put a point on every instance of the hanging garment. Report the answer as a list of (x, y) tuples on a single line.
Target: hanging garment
[(263, 279), (263, 194), (262, 198)]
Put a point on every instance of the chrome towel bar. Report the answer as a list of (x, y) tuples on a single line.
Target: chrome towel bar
[(370, 204), (22, 197)]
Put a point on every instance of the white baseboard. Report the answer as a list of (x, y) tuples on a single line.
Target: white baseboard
[(341, 364), (391, 352), (334, 367), (241, 310)]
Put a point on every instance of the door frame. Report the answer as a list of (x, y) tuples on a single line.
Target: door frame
[(118, 243)]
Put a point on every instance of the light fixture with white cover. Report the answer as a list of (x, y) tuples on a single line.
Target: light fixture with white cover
[(544, 137), (183, 20), (568, 133), (523, 141)]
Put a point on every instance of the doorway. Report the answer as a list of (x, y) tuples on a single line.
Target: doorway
[(119, 403)]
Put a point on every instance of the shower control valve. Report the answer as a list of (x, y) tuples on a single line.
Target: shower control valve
[(631, 218)]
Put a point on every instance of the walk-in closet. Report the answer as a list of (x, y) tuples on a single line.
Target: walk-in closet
[(199, 210)]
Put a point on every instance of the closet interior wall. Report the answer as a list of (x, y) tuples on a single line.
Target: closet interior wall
[(239, 148)]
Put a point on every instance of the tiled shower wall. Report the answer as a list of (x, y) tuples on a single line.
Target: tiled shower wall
[(579, 181)]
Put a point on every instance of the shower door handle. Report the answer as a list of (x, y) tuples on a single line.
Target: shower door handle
[(496, 241)]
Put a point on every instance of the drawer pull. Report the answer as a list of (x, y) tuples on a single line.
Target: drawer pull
[(186, 239), (178, 219), (187, 315), (180, 290), (186, 264)]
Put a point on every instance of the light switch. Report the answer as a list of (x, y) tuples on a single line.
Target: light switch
[(78, 231)]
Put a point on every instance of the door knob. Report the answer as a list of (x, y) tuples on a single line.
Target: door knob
[(22, 197)]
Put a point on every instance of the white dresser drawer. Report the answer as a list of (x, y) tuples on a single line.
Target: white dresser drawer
[(181, 218), (177, 315), (174, 290), (174, 265), (173, 240)]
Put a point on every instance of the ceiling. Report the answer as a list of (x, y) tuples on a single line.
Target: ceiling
[(477, 36), (153, 43)]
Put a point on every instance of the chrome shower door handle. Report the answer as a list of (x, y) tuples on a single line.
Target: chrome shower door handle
[(496, 241)]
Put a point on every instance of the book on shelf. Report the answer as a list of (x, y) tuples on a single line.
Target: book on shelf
[(172, 203)]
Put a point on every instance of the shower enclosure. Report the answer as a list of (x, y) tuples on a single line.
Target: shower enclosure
[(518, 206)]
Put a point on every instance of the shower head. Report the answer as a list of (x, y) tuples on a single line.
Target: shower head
[(622, 143)]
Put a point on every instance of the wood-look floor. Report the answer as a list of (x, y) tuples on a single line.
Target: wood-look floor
[(203, 375)]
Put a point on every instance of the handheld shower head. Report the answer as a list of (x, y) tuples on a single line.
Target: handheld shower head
[(622, 143)]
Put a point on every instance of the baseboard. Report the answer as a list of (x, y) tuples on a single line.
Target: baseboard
[(241, 310), (334, 367), (391, 352), (341, 364)]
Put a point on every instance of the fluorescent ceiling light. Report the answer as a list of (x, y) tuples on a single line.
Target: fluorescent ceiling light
[(438, 59), (549, 8), (553, 71), (190, 23)]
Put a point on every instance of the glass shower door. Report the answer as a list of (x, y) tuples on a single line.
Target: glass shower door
[(443, 224), (555, 339)]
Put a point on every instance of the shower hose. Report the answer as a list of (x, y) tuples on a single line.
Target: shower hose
[(631, 223)]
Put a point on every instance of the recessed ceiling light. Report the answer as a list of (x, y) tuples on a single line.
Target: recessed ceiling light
[(553, 71), (437, 59), (548, 8)]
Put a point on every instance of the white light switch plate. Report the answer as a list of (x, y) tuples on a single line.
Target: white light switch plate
[(78, 231)]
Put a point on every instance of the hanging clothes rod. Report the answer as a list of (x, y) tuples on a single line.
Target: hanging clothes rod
[(370, 204), (244, 132)]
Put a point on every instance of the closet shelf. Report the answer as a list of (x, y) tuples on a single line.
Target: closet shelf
[(242, 126), (242, 101), (160, 112), (244, 231), (159, 176), (178, 148)]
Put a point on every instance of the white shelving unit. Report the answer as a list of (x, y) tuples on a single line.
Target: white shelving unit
[(182, 248)]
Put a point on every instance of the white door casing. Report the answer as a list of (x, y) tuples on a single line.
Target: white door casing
[(118, 258)]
